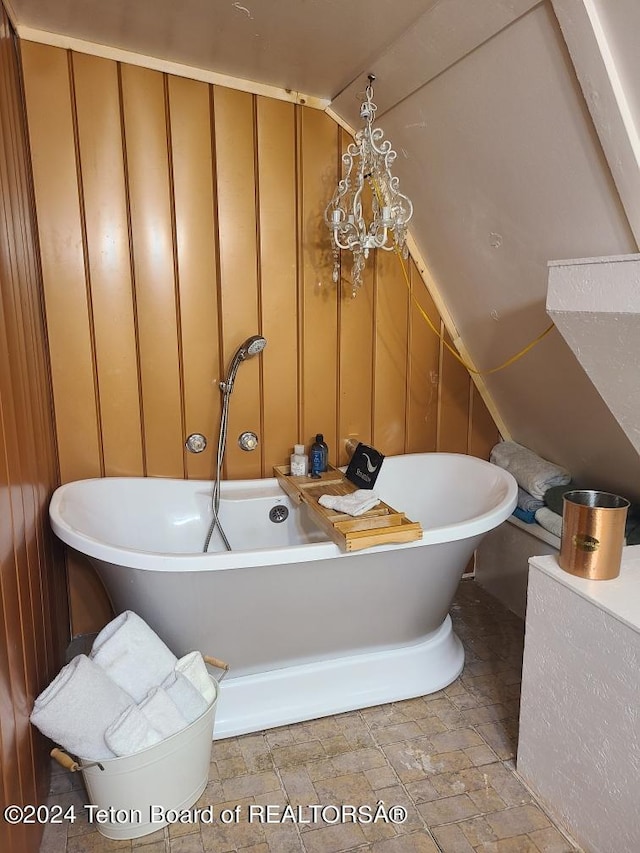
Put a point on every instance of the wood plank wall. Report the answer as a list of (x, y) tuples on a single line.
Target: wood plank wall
[(176, 219), (34, 615)]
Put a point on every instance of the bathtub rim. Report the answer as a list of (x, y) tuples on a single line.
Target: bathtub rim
[(269, 487)]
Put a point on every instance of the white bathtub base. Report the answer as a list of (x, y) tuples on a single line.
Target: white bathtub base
[(251, 703)]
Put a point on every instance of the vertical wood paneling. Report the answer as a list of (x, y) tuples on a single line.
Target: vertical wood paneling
[(152, 242), (319, 141), (22, 296), (13, 690), (355, 399), (14, 748), (484, 433), (177, 220), (237, 227), (60, 229), (21, 417), (32, 610), (189, 106), (226, 209), (20, 466), (277, 205), (108, 261), (453, 434), (390, 395), (49, 594), (15, 577), (424, 369)]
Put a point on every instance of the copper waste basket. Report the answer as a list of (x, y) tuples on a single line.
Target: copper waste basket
[(592, 534)]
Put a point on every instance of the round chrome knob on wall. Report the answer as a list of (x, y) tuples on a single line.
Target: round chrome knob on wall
[(195, 443), (248, 440)]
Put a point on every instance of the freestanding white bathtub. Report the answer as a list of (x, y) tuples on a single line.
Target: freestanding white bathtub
[(307, 629)]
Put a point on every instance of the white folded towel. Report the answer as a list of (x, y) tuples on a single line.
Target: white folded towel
[(162, 712), (534, 474), (78, 706), (131, 732), (133, 655), (550, 520), (186, 696), (355, 503), (194, 668)]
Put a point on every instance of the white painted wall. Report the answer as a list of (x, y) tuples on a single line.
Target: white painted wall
[(579, 742), (502, 560)]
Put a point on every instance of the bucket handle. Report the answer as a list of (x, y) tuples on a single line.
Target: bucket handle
[(65, 760), (219, 664)]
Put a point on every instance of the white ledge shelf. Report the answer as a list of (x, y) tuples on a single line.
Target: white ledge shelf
[(619, 597)]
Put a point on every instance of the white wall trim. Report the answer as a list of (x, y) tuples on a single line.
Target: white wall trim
[(168, 67), (606, 98)]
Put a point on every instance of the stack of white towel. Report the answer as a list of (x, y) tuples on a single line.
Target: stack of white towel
[(129, 694)]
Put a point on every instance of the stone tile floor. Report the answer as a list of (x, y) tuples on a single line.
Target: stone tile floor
[(447, 758)]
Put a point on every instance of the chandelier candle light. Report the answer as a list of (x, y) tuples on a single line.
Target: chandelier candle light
[(368, 160)]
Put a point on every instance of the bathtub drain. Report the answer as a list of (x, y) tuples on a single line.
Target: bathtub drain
[(278, 514)]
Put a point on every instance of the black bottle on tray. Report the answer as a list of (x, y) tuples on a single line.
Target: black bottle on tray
[(318, 457)]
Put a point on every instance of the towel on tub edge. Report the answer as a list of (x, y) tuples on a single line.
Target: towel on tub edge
[(534, 474), (78, 706), (131, 732), (133, 655)]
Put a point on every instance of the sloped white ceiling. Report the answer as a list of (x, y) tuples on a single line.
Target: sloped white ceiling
[(515, 122), (310, 46)]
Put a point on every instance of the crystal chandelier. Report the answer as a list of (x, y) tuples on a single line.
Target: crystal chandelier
[(367, 161)]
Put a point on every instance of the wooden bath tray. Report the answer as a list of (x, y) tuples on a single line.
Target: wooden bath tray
[(381, 525)]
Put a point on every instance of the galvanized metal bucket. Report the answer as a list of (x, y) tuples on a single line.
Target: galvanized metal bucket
[(131, 796)]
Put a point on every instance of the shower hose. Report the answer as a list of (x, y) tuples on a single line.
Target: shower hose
[(215, 496)]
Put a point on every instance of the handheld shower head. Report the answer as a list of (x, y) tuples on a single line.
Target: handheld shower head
[(252, 346)]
